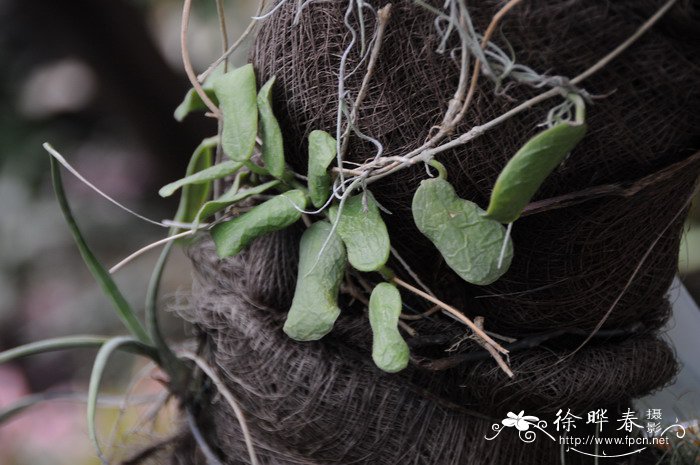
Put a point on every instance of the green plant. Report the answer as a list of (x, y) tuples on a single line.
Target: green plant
[(347, 226), (350, 228)]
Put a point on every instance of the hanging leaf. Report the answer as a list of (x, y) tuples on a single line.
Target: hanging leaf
[(389, 350), (218, 171), (231, 197), (275, 214), (322, 151), (194, 195), (193, 102), (526, 171), (270, 132), (236, 91), (470, 243), (364, 233), (315, 305)]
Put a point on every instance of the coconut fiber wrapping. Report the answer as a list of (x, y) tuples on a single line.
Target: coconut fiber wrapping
[(324, 402)]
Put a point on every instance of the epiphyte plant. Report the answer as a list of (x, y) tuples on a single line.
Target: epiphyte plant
[(350, 230)]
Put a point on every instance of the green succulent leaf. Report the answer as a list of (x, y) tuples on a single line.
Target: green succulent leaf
[(322, 151), (231, 197), (237, 94), (270, 132), (277, 213), (218, 171), (363, 231), (315, 305), (526, 171), (389, 350), (193, 102), (470, 243), (194, 195)]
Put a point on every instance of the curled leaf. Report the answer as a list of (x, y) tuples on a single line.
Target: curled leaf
[(277, 213), (364, 233), (193, 102), (469, 242), (322, 151), (389, 350), (315, 305), (270, 132), (526, 171), (236, 91)]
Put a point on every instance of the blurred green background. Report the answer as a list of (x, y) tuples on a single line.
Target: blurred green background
[(99, 79)]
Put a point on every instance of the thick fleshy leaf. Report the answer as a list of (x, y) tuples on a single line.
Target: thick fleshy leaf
[(364, 233), (389, 350), (322, 151), (237, 94), (277, 213), (218, 171), (231, 197), (193, 196), (270, 132), (193, 102), (470, 243), (315, 305), (526, 171)]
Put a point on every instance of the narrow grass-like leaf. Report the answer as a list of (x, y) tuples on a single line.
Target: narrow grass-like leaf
[(100, 274), (50, 345), (171, 364), (193, 102), (231, 197), (193, 196), (10, 411), (526, 171), (237, 94), (315, 305), (470, 243), (275, 214), (218, 171), (322, 148), (364, 233), (98, 368), (270, 132), (389, 350)]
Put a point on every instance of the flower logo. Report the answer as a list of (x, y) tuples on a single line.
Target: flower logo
[(520, 421)]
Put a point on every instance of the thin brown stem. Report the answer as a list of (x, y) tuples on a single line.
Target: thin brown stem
[(477, 65), (234, 46), (226, 393), (383, 16), (434, 309), (479, 321), (454, 312), (222, 28), (424, 153), (187, 63)]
